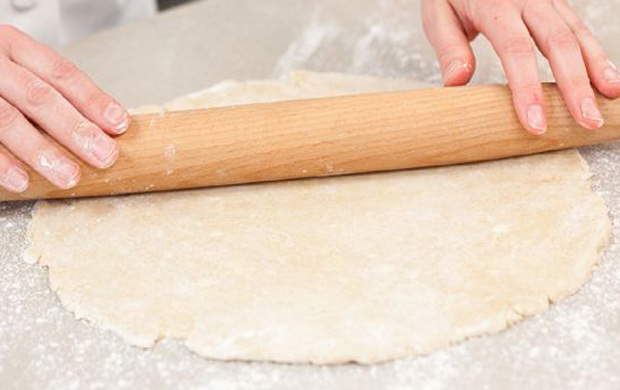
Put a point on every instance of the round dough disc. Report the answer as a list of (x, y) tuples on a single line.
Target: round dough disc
[(361, 268)]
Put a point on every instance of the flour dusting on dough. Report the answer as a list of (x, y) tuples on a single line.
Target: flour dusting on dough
[(363, 268)]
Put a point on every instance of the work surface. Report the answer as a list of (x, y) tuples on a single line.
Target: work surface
[(574, 345)]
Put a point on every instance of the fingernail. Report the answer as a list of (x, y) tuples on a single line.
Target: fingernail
[(117, 117), (454, 68), (68, 172), (590, 112), (105, 150), (16, 179), (93, 142), (62, 171), (536, 118), (611, 74)]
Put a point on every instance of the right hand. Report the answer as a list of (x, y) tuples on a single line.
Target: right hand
[(41, 90), (577, 60)]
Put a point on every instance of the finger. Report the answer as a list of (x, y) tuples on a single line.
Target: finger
[(450, 42), (504, 28), (557, 42), (51, 111), (27, 144), (12, 176), (603, 73), (72, 83)]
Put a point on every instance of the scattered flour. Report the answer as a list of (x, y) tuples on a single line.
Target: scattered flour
[(576, 345)]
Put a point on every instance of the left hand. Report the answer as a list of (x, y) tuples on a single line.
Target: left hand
[(577, 60)]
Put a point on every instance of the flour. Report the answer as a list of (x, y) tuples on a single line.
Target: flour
[(574, 346), (383, 43), (315, 35)]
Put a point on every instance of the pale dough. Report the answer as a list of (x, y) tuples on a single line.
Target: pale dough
[(360, 268)]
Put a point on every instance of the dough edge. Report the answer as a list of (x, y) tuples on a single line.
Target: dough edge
[(35, 254)]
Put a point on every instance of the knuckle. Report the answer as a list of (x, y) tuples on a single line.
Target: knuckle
[(447, 50), (97, 100), (39, 93), (8, 116), (518, 46), (578, 83), (528, 91), (8, 31), (63, 69), (580, 28), (9, 35), (561, 38), (531, 87), (83, 128)]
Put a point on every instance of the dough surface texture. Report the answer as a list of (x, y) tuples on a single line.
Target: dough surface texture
[(361, 268)]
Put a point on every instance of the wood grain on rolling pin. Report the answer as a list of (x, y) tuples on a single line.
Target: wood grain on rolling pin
[(325, 137)]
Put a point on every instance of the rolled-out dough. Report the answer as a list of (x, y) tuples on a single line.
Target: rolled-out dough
[(361, 268)]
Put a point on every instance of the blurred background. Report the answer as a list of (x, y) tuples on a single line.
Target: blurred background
[(165, 4)]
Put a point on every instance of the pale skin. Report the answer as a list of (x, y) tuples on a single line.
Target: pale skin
[(514, 27), (43, 93)]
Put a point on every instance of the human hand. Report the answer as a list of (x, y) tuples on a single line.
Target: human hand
[(513, 26), (41, 90)]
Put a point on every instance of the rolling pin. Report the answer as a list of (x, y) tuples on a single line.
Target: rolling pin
[(325, 137)]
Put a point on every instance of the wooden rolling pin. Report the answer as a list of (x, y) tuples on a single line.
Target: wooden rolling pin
[(325, 137)]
